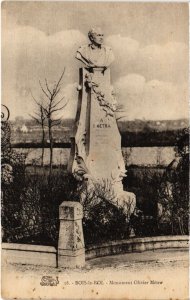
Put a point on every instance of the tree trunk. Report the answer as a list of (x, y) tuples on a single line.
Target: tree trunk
[(51, 149), (43, 142)]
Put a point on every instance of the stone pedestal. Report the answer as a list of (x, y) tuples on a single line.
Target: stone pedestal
[(97, 157), (71, 251)]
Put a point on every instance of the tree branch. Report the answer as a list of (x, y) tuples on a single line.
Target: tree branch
[(57, 92), (58, 109), (44, 91), (46, 111), (36, 119), (58, 83), (55, 104), (35, 99), (48, 87)]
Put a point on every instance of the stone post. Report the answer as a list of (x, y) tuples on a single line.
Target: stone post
[(71, 250)]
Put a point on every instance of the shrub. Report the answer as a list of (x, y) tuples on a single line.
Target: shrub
[(103, 220), (13, 178), (174, 190)]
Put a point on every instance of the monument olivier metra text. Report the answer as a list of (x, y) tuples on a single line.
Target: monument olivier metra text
[(98, 156)]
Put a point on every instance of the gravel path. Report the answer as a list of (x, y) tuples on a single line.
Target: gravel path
[(160, 274)]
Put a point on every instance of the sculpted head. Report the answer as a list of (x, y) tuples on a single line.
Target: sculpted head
[(96, 36), (101, 56)]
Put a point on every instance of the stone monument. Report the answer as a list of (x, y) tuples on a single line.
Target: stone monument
[(97, 155)]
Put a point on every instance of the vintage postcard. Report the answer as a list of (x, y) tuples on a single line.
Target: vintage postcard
[(94, 150)]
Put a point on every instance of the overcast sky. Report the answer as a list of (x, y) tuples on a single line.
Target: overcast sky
[(150, 43)]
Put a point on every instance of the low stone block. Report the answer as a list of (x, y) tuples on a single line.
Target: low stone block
[(71, 250)]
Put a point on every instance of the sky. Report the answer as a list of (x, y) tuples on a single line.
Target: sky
[(149, 41)]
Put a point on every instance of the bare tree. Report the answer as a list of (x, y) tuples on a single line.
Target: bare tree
[(54, 104), (40, 117)]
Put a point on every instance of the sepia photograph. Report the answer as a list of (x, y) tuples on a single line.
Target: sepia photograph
[(94, 150)]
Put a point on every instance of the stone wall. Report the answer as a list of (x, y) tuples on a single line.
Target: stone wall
[(46, 256), (28, 254)]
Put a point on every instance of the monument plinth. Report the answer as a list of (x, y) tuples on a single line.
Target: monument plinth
[(98, 156)]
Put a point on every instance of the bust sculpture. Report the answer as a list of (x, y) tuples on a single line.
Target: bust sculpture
[(95, 55)]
